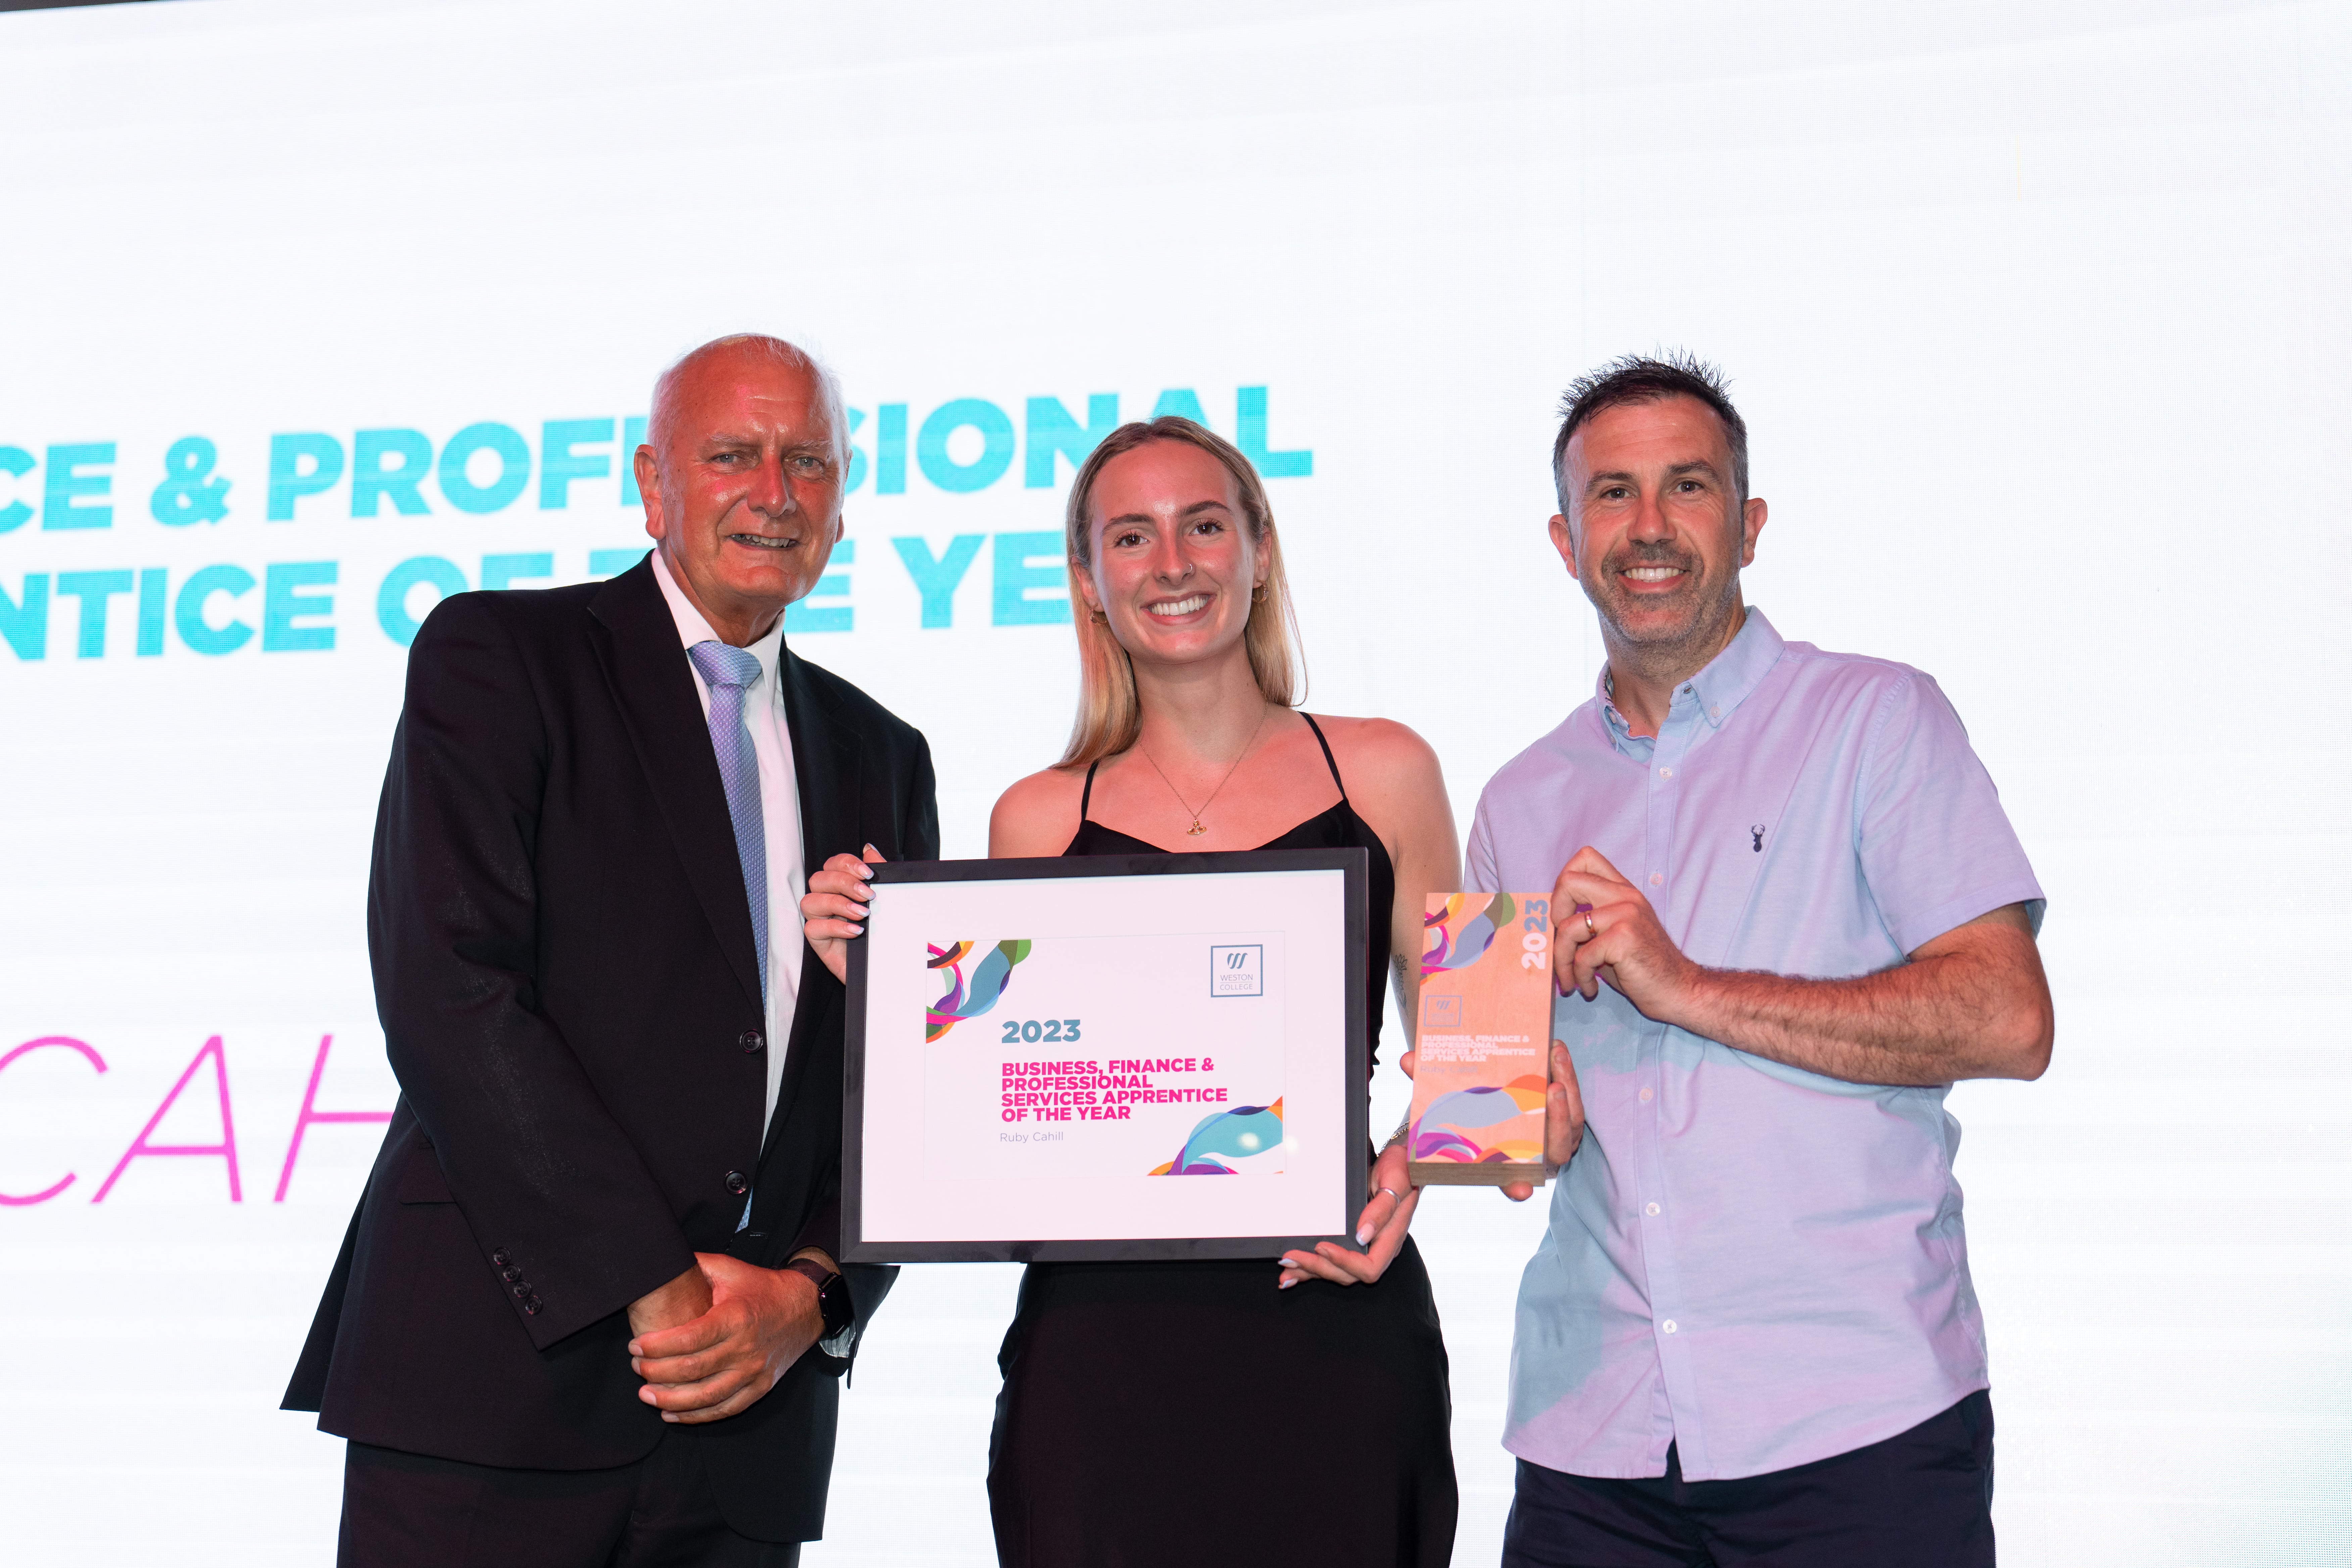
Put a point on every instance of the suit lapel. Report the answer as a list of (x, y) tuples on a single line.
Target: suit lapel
[(654, 687), (827, 760)]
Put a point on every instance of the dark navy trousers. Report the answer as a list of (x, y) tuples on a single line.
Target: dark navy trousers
[(1922, 1499)]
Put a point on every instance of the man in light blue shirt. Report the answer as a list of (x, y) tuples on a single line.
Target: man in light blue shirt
[(1789, 914)]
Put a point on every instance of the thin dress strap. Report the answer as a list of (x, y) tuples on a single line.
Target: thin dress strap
[(1087, 799), (1328, 760)]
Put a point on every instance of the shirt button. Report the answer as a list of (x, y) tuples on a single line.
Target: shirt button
[(1668, 1325), (1665, 772), (738, 1184), (1645, 1096), (750, 1040), (1653, 1209), (1657, 879)]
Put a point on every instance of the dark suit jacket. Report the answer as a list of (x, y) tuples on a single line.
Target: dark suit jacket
[(565, 972)]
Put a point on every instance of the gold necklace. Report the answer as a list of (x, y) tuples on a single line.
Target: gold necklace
[(1196, 829)]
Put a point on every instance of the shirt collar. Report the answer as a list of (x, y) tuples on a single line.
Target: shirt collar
[(1737, 670), (692, 628), (1726, 682)]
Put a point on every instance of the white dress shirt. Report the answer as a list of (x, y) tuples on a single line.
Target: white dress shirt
[(779, 815)]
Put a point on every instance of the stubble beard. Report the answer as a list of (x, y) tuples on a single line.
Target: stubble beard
[(1662, 647)]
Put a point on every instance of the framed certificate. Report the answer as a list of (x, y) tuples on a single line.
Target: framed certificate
[(1107, 1057)]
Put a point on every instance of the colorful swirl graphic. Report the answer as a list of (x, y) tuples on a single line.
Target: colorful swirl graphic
[(988, 983), (1458, 935), (1444, 1131), (1234, 1134)]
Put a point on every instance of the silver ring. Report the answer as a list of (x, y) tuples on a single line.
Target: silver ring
[(1394, 1193)]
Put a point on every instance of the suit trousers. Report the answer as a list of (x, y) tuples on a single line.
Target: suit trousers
[(1922, 1499), (402, 1510)]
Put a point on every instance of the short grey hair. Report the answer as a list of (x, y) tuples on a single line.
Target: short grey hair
[(789, 355)]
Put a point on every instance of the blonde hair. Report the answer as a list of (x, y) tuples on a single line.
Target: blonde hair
[(1110, 711)]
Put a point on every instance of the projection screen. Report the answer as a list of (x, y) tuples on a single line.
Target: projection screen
[(315, 314)]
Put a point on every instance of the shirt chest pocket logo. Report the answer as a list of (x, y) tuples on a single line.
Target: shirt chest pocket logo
[(1758, 832)]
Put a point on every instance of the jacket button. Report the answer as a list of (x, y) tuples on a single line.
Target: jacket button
[(530, 1307), (750, 1040), (500, 1258), (522, 1289), (510, 1274), (738, 1184)]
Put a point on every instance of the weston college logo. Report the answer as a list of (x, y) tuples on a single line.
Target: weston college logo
[(1238, 971)]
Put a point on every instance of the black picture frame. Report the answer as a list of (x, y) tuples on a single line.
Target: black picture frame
[(1353, 1172)]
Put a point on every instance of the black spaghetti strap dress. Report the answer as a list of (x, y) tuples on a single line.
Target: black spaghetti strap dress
[(1190, 1413)]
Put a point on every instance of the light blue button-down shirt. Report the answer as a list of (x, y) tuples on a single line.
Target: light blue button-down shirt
[(1757, 1264)]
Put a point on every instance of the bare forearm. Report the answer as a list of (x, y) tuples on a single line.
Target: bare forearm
[(1982, 1012), (1971, 1002)]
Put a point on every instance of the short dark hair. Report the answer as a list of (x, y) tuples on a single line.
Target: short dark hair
[(1640, 378)]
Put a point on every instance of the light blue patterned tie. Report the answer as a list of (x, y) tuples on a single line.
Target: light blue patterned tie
[(728, 671)]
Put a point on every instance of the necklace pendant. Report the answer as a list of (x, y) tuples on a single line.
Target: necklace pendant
[(1195, 830)]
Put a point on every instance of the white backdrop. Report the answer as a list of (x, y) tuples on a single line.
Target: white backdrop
[(2037, 314)]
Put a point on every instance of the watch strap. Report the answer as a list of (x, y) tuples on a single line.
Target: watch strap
[(832, 1293)]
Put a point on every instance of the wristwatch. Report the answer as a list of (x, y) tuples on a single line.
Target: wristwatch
[(832, 1293)]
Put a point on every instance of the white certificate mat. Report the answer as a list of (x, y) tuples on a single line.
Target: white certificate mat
[(1107, 1057)]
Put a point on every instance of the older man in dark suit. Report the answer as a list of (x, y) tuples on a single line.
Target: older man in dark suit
[(588, 1310)]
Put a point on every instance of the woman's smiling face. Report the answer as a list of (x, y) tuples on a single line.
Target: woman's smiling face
[(1174, 565)]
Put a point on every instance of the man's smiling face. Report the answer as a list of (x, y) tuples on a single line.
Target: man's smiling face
[(742, 486), (1655, 532)]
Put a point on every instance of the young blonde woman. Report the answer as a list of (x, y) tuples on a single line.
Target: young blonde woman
[(1223, 1412)]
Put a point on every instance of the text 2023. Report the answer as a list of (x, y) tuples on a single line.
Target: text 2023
[(1033, 1031), (1537, 936)]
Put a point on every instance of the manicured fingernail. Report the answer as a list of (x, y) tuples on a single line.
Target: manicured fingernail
[(876, 853), (669, 1415), (865, 870), (1363, 1236), (1285, 1285)]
